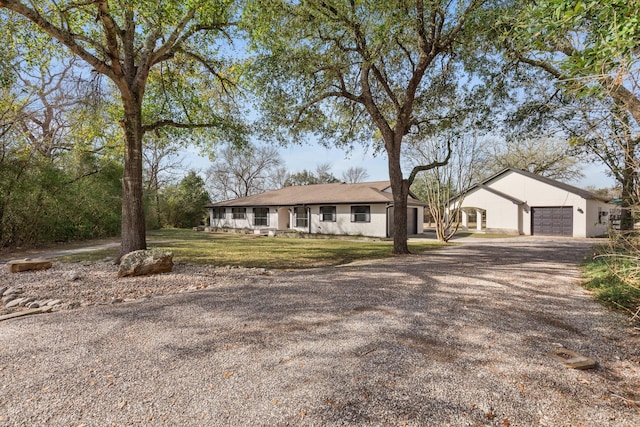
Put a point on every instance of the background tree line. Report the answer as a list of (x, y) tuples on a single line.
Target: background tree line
[(98, 96)]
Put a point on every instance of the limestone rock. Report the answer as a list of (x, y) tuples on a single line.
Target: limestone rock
[(13, 291), (72, 275), (139, 263), (8, 298), (14, 303), (18, 265), (572, 359)]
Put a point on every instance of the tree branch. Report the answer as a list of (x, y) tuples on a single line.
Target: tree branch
[(223, 81), (169, 45), (64, 37), (112, 33), (432, 165), (171, 123), (543, 65)]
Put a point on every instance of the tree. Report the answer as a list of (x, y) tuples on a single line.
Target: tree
[(59, 180), (244, 171), (363, 71), (439, 186), (184, 203), (550, 157), (303, 177), (322, 175), (590, 50), (146, 49), (355, 174), (161, 161)]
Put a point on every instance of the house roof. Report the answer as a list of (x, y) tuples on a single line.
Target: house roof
[(570, 188), (320, 194), (501, 194)]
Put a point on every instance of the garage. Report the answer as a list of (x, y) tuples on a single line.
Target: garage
[(552, 221), (521, 202)]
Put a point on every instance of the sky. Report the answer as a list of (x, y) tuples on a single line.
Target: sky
[(300, 157)]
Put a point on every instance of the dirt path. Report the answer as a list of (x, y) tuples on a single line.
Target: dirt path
[(455, 337), (58, 251)]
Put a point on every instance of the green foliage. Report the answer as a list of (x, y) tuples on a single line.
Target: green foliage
[(589, 45), (614, 281), (183, 204), (614, 272), (60, 177), (41, 202), (307, 177), (317, 62), (587, 53), (164, 60), (608, 32)]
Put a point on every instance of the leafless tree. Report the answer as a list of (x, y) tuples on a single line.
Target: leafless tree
[(161, 163), (550, 157), (355, 174), (241, 172), (438, 186)]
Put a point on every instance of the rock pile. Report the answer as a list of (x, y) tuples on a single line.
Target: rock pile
[(12, 297)]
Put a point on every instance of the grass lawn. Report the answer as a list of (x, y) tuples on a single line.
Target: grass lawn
[(221, 249), (614, 282)]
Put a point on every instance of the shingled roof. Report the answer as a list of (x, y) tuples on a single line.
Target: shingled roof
[(320, 194)]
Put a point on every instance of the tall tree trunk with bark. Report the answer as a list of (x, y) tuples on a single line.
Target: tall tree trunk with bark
[(400, 191), (124, 41), (133, 222)]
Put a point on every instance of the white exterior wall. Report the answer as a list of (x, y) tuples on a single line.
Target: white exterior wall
[(377, 227), (538, 194), (503, 214), (597, 225), (229, 222)]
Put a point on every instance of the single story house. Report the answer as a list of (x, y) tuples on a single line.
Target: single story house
[(521, 202), (352, 209)]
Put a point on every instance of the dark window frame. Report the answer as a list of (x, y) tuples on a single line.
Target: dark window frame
[(218, 213), (361, 213), (332, 214), (239, 213), (298, 218), (263, 219)]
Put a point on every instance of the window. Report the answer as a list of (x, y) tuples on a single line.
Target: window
[(239, 213), (302, 220), (261, 216), (328, 213), (218, 213), (360, 213)]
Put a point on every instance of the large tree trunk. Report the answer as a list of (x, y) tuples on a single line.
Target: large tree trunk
[(628, 199), (400, 190), (133, 224)]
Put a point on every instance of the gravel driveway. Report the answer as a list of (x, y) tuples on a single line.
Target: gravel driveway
[(459, 336)]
